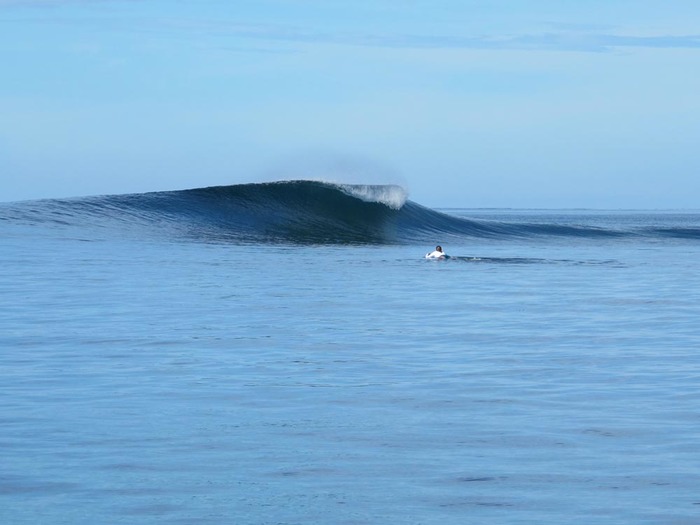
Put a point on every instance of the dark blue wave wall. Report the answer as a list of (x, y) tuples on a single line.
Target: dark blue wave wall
[(294, 212)]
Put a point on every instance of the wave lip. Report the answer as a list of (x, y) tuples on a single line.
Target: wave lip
[(391, 195)]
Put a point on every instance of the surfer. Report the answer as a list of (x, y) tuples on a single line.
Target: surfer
[(436, 254)]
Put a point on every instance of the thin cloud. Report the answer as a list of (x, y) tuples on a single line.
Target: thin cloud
[(577, 38), (594, 42), (36, 3)]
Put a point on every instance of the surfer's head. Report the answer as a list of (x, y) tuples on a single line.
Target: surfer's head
[(438, 248)]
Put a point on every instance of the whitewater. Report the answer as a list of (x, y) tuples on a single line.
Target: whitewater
[(283, 353)]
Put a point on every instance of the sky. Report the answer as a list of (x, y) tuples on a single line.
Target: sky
[(471, 103)]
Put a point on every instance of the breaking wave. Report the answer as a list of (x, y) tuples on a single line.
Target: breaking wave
[(295, 212)]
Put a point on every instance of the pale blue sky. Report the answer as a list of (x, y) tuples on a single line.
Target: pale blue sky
[(476, 103)]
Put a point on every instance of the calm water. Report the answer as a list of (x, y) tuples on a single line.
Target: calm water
[(527, 380)]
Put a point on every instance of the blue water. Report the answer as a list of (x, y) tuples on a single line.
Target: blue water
[(149, 377)]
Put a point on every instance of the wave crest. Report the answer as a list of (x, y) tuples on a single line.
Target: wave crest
[(390, 195)]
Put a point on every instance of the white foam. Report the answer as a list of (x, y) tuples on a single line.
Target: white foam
[(390, 195)]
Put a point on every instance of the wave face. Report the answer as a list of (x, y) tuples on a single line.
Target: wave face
[(296, 212)]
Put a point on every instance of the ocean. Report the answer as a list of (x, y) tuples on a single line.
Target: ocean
[(283, 353)]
